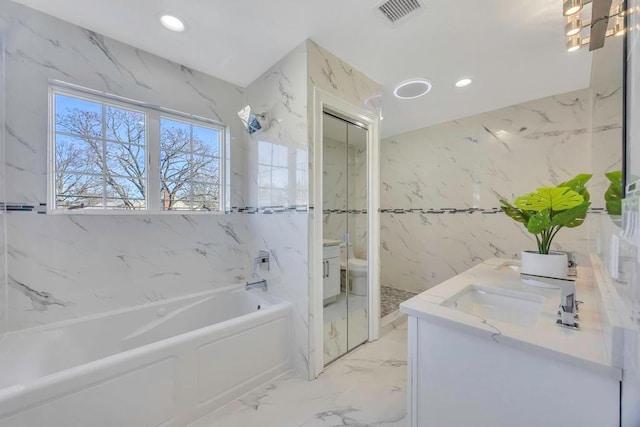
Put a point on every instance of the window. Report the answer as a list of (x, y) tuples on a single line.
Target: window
[(189, 166), (107, 154), (99, 155)]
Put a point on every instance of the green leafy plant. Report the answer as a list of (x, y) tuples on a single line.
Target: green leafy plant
[(550, 209), (613, 195)]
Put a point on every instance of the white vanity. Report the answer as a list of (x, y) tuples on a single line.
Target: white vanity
[(485, 350), (330, 269)]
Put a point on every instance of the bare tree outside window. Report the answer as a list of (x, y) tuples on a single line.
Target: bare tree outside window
[(101, 158), (100, 155), (189, 166)]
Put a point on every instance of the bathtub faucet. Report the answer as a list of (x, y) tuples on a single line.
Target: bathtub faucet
[(255, 285)]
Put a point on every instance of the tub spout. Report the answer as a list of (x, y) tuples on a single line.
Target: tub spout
[(256, 285)]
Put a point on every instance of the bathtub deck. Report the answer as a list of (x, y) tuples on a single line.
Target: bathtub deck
[(367, 387)]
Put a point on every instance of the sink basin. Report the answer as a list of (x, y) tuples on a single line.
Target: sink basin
[(517, 308)]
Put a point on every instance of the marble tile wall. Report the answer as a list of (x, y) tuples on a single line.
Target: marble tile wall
[(330, 73), (64, 266), (465, 164), (277, 175), (3, 217), (285, 238), (277, 162)]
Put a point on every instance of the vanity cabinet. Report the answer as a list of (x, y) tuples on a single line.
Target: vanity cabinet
[(461, 379), (331, 272), (501, 361)]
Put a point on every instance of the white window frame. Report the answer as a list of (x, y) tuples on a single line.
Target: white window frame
[(153, 114)]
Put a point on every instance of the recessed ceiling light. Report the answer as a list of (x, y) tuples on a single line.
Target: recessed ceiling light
[(172, 23), (573, 25), (574, 43), (463, 82), (412, 88), (570, 7)]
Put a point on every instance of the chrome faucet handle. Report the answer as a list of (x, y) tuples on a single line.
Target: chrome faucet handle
[(262, 258), (568, 306)]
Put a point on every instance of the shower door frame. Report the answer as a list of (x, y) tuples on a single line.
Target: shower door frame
[(322, 101)]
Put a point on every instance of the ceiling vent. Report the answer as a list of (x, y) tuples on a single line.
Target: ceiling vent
[(398, 10)]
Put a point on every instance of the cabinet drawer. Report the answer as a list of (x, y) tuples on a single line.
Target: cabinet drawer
[(331, 251)]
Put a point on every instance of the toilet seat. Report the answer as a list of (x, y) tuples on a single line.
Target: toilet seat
[(358, 274), (358, 264)]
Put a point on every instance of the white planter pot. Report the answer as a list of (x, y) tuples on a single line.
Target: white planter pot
[(552, 265)]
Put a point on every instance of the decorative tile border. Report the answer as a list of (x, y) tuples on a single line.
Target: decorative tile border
[(270, 210), (345, 211), (450, 211), (439, 211), (41, 208)]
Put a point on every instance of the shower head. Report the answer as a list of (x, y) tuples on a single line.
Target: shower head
[(252, 121)]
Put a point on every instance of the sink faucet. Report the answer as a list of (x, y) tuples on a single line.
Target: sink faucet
[(568, 304)]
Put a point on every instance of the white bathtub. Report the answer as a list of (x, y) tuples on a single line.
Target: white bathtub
[(162, 364)]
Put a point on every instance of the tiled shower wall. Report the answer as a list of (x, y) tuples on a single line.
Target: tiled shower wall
[(440, 186), (3, 217), (277, 172), (67, 266)]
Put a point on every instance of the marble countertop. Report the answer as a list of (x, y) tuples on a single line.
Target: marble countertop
[(585, 347)]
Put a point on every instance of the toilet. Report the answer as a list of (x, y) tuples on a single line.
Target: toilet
[(358, 276)]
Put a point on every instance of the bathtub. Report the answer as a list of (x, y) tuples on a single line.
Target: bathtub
[(161, 364)]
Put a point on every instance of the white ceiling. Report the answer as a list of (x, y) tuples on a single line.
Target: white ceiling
[(512, 49)]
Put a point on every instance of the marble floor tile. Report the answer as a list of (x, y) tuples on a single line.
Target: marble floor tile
[(391, 298), (365, 388)]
